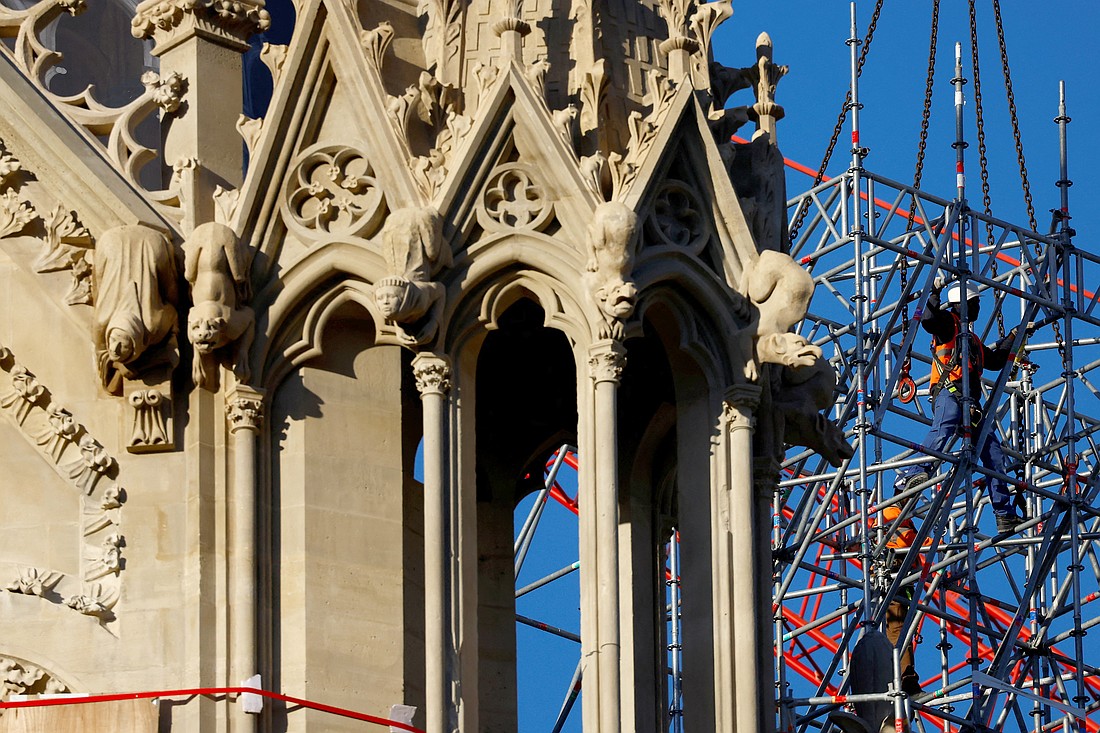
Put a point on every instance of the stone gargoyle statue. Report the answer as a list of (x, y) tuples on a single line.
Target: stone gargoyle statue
[(413, 247), (611, 248), (220, 326), (779, 291), (797, 405), (135, 321)]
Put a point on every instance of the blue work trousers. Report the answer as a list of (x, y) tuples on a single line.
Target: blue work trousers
[(947, 419)]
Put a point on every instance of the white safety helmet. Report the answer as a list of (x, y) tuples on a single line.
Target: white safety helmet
[(954, 293)]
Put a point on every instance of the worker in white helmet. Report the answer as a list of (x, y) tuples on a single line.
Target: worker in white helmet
[(946, 389)]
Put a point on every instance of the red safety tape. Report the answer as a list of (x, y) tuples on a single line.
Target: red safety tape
[(86, 699)]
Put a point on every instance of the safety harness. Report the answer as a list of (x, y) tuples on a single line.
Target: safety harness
[(946, 357)]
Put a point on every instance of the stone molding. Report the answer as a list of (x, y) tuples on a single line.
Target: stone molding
[(82, 462), (226, 22), (432, 373), (606, 361)]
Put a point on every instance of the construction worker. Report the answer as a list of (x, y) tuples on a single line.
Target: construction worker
[(900, 541), (947, 396)]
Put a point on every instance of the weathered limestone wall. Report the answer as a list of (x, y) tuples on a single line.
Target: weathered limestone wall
[(344, 551)]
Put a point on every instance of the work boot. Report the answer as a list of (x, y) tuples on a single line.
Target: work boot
[(910, 682), (913, 481), (1007, 523)]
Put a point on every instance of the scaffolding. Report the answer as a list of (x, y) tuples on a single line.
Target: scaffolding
[(995, 621), (998, 620)]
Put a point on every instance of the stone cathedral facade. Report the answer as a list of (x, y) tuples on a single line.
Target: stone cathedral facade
[(473, 228)]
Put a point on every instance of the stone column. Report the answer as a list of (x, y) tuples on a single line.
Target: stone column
[(606, 360), (765, 474), (739, 404), (203, 41), (433, 381), (244, 412)]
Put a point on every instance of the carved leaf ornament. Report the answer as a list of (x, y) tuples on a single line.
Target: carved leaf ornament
[(514, 200), (332, 190)]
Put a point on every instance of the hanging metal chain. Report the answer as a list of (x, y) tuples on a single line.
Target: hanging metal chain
[(1014, 117), (983, 158), (1020, 154), (804, 207), (918, 173)]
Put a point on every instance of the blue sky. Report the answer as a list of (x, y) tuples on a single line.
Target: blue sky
[(1044, 46)]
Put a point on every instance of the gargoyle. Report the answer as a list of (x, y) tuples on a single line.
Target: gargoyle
[(135, 320), (780, 290), (219, 326), (797, 406), (611, 248), (412, 244)]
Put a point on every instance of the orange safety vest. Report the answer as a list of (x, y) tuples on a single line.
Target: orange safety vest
[(947, 358)]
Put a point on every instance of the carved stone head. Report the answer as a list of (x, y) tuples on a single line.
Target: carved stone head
[(120, 345), (207, 326), (616, 298), (398, 300)]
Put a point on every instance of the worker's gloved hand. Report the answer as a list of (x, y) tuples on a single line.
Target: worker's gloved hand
[(934, 296)]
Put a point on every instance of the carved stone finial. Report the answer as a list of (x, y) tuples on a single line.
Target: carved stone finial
[(227, 22), (219, 325), (244, 409), (611, 245), (606, 361), (432, 373), (764, 77), (511, 29)]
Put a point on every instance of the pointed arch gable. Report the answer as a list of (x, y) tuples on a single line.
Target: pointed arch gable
[(513, 112), (483, 283)]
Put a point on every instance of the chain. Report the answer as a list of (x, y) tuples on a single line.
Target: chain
[(922, 147), (1020, 155), (1014, 117), (804, 207), (983, 159)]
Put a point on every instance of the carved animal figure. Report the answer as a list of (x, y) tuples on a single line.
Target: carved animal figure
[(797, 404), (412, 244), (781, 292), (135, 319), (216, 268), (611, 249)]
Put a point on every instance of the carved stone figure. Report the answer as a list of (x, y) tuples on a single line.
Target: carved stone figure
[(219, 325), (797, 405), (781, 292), (611, 247), (135, 321), (412, 244)]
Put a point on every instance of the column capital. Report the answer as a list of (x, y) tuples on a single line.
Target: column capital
[(606, 361), (765, 476), (432, 373), (171, 22), (244, 409), (738, 405)]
